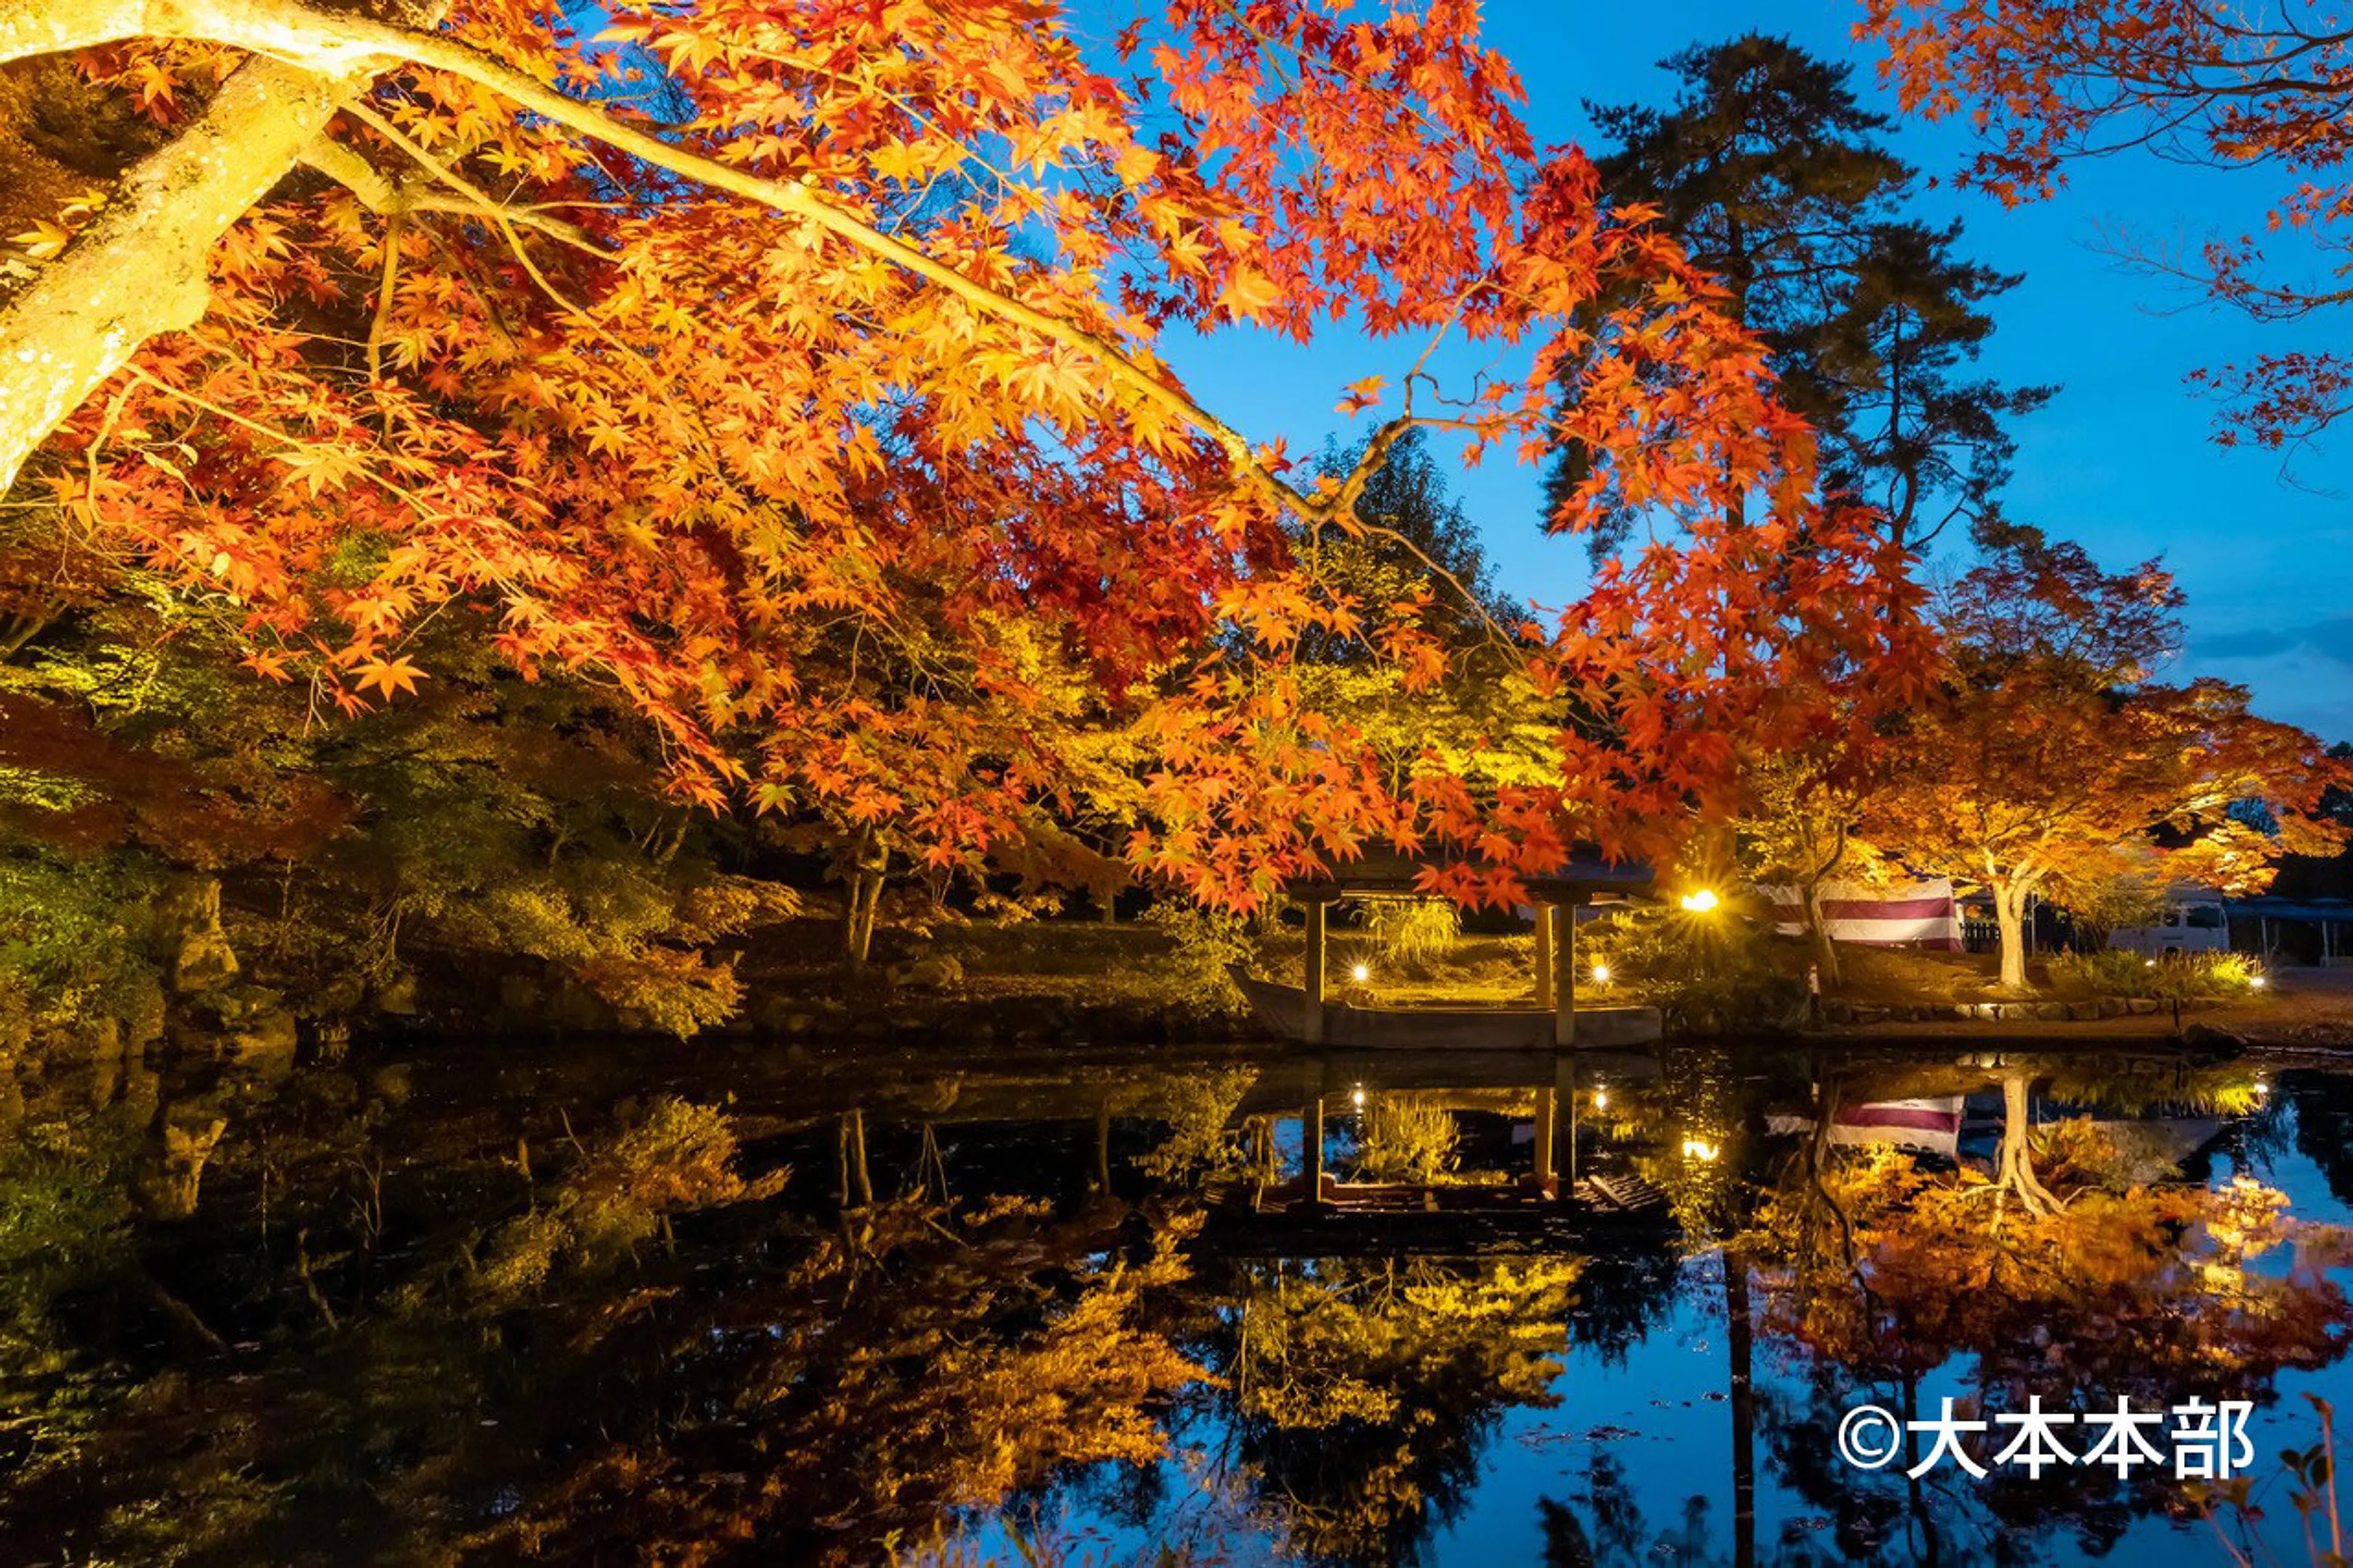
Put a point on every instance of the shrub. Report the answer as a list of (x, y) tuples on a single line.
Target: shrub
[(1207, 942), (1707, 973), (73, 943), (2175, 978), (1404, 1138)]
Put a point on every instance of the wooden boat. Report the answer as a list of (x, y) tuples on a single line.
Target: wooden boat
[(1282, 1009), (1248, 1219)]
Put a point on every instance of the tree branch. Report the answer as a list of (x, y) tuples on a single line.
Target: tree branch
[(327, 41), (380, 194)]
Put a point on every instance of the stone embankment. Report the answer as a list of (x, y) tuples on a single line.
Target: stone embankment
[(2081, 1011)]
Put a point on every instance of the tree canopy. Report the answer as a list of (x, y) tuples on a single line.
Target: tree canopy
[(1774, 174), (2052, 757), (822, 419), (2048, 85)]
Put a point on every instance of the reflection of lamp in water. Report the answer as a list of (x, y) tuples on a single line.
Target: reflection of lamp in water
[(1601, 974), (2256, 981), (1361, 973), (1357, 1097), (1700, 1149), (1700, 902)]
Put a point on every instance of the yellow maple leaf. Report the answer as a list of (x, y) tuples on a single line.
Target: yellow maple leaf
[(1248, 293), (44, 240), (390, 676)]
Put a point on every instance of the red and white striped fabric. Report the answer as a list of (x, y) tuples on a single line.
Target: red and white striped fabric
[(1932, 1124), (1902, 914)]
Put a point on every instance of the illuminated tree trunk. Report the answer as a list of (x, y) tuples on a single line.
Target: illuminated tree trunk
[(2009, 919), (140, 270), (870, 863), (2015, 1172), (1818, 927)]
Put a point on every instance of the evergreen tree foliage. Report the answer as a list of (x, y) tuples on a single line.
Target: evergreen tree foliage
[(1774, 174)]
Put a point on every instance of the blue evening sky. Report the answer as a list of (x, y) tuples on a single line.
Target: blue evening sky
[(2121, 459)]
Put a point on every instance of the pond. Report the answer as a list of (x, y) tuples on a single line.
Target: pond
[(602, 1302)]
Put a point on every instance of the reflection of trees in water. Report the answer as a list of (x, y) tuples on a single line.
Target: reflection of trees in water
[(1613, 1531), (673, 1361), (1362, 1394), (2150, 1294), (619, 1347), (916, 1363), (1621, 1293), (1889, 1278), (2323, 1103)]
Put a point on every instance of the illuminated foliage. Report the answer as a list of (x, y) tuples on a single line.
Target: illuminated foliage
[(487, 823), (823, 420), (2053, 760), (1365, 1389)]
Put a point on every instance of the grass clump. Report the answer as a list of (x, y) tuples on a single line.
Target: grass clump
[(2175, 978), (1706, 974), (1412, 933)]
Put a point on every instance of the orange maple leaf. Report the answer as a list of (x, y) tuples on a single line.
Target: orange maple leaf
[(390, 676), (1248, 293)]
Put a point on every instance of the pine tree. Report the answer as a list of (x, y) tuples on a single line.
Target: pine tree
[(1775, 175)]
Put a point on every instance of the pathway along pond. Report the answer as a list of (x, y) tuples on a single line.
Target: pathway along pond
[(491, 1301)]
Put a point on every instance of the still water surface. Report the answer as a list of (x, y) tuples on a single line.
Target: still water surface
[(605, 1303)]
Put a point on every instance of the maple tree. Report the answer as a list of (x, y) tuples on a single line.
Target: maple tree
[(2046, 85), (1800, 825), (823, 419), (2052, 758)]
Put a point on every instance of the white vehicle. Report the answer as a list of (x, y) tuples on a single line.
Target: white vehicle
[(2194, 921)]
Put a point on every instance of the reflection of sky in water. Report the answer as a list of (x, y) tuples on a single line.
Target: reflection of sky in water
[(1658, 1420)]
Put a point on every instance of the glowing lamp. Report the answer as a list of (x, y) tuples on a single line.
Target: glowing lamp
[(1361, 973), (1356, 1097), (2256, 981), (1700, 1149), (1601, 974), (1700, 902), (1600, 1100)]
